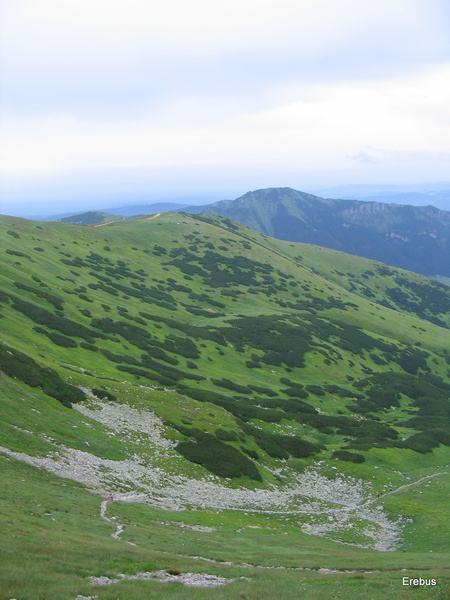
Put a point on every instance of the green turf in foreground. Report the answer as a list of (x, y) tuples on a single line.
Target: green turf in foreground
[(53, 539)]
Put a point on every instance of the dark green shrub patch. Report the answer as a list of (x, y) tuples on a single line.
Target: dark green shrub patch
[(176, 287), (421, 442), (425, 423), (191, 331), (202, 313), (25, 369), (230, 293), (315, 389), (348, 456), (288, 406), (84, 297), (188, 268), (218, 457), (98, 258), (339, 391), (104, 394), (20, 254), (431, 400), (250, 453), (230, 385), (321, 421), (380, 397), (427, 301), (181, 345), (263, 390), (250, 364), (61, 340), (61, 324), (169, 372), (411, 360), (119, 358), (141, 338), (132, 333), (76, 262), (225, 435), (89, 346), (266, 441), (148, 295), (370, 430), (155, 352), (280, 340), (296, 446), (237, 406), (216, 269), (104, 288), (294, 384), (148, 375), (378, 360), (246, 412), (295, 392), (204, 395), (281, 446), (436, 381), (206, 299), (57, 302)]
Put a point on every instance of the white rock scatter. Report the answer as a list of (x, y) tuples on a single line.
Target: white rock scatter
[(324, 507), (124, 420), (199, 580)]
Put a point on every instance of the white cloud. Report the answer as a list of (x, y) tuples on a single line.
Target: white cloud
[(307, 126), (291, 84), (97, 39), (179, 27)]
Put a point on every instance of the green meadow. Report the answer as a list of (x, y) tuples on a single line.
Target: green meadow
[(190, 349)]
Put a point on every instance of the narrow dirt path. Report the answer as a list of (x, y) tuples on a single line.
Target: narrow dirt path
[(152, 217), (105, 223), (144, 219), (404, 487), (119, 527)]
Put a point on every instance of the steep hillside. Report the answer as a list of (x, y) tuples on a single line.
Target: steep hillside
[(411, 237), (187, 363)]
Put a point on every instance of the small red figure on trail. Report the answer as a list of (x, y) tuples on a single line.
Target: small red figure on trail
[(108, 497)]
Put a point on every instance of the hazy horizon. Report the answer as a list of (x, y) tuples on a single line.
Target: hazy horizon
[(111, 102), (53, 208)]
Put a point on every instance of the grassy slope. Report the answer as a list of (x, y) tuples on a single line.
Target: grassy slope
[(367, 228), (53, 540), (27, 412)]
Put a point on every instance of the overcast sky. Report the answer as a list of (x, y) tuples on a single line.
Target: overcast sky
[(150, 99)]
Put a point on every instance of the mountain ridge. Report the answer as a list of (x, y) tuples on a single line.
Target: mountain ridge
[(414, 238)]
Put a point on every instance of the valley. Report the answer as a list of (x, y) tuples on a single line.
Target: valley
[(262, 411)]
